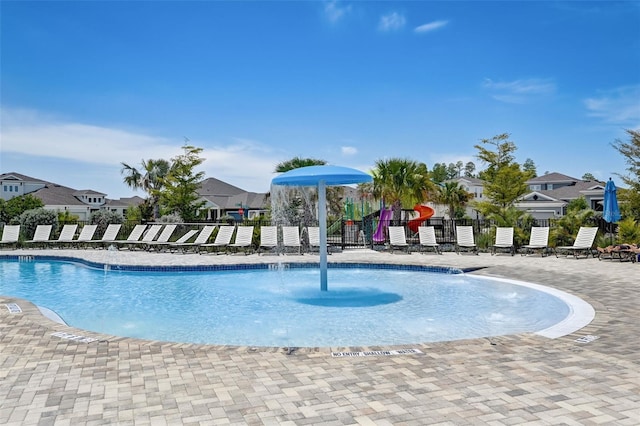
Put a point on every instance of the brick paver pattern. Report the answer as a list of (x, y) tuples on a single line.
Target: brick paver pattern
[(520, 379)]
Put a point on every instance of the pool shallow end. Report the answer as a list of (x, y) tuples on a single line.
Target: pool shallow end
[(580, 314)]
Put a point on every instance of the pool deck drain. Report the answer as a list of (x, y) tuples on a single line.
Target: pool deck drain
[(516, 379)]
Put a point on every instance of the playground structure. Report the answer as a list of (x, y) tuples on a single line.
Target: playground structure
[(424, 213)]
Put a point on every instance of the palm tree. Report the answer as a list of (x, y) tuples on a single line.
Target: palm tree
[(151, 182), (453, 195), (399, 182)]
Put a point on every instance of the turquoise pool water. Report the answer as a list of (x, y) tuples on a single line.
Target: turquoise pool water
[(282, 307)]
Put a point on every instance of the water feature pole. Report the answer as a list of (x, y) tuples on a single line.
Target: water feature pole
[(322, 218), (321, 176)]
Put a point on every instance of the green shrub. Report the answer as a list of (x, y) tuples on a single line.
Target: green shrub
[(103, 218), (10, 210), (67, 218), (628, 231), (30, 219), (485, 239), (171, 218), (565, 229)]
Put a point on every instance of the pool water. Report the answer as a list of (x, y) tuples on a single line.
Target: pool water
[(282, 307)]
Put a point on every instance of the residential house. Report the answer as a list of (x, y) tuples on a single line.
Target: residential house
[(80, 203), (223, 199), (550, 194)]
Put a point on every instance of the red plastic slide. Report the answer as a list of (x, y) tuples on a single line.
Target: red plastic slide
[(424, 213)]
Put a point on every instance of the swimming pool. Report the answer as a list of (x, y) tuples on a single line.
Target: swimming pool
[(282, 306)]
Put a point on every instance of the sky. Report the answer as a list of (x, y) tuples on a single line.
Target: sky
[(88, 85)]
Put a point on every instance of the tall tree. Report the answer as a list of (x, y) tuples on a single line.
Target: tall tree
[(469, 169), (180, 191), (401, 182), (588, 176), (530, 167), (504, 181), (452, 171), (438, 173), (150, 179), (459, 168), (630, 197)]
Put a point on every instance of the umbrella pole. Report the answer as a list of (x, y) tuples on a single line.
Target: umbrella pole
[(322, 218)]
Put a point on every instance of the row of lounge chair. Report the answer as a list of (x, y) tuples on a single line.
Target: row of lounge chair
[(465, 242), (157, 238)]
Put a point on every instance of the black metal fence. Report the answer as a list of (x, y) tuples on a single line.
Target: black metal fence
[(360, 233)]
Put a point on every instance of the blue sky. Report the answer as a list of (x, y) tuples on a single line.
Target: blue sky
[(87, 85)]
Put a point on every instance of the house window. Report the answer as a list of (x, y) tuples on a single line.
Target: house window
[(535, 187), (5, 188)]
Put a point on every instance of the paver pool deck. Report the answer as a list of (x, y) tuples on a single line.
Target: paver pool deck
[(517, 379)]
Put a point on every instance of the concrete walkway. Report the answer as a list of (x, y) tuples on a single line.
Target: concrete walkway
[(518, 379)]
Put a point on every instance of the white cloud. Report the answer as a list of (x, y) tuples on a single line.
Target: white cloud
[(30, 133), (244, 163), (391, 22), (520, 91), (349, 150), (431, 26), (619, 106), (334, 12), (35, 137)]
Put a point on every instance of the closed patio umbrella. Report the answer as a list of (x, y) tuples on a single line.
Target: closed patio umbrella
[(611, 211)]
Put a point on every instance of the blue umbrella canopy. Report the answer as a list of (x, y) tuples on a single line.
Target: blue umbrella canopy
[(330, 175), (611, 211)]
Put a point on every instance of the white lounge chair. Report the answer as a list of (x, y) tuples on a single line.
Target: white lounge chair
[(244, 238), (398, 238), (134, 237), (538, 241), (65, 237), (465, 240), (148, 236), (10, 236), (582, 244), (291, 239), (222, 240), (86, 236), (110, 235), (504, 240), (268, 238), (164, 237), (40, 236), (200, 240), (167, 245), (313, 233), (427, 238)]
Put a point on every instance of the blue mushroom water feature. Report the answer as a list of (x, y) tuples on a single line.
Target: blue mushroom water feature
[(321, 177)]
